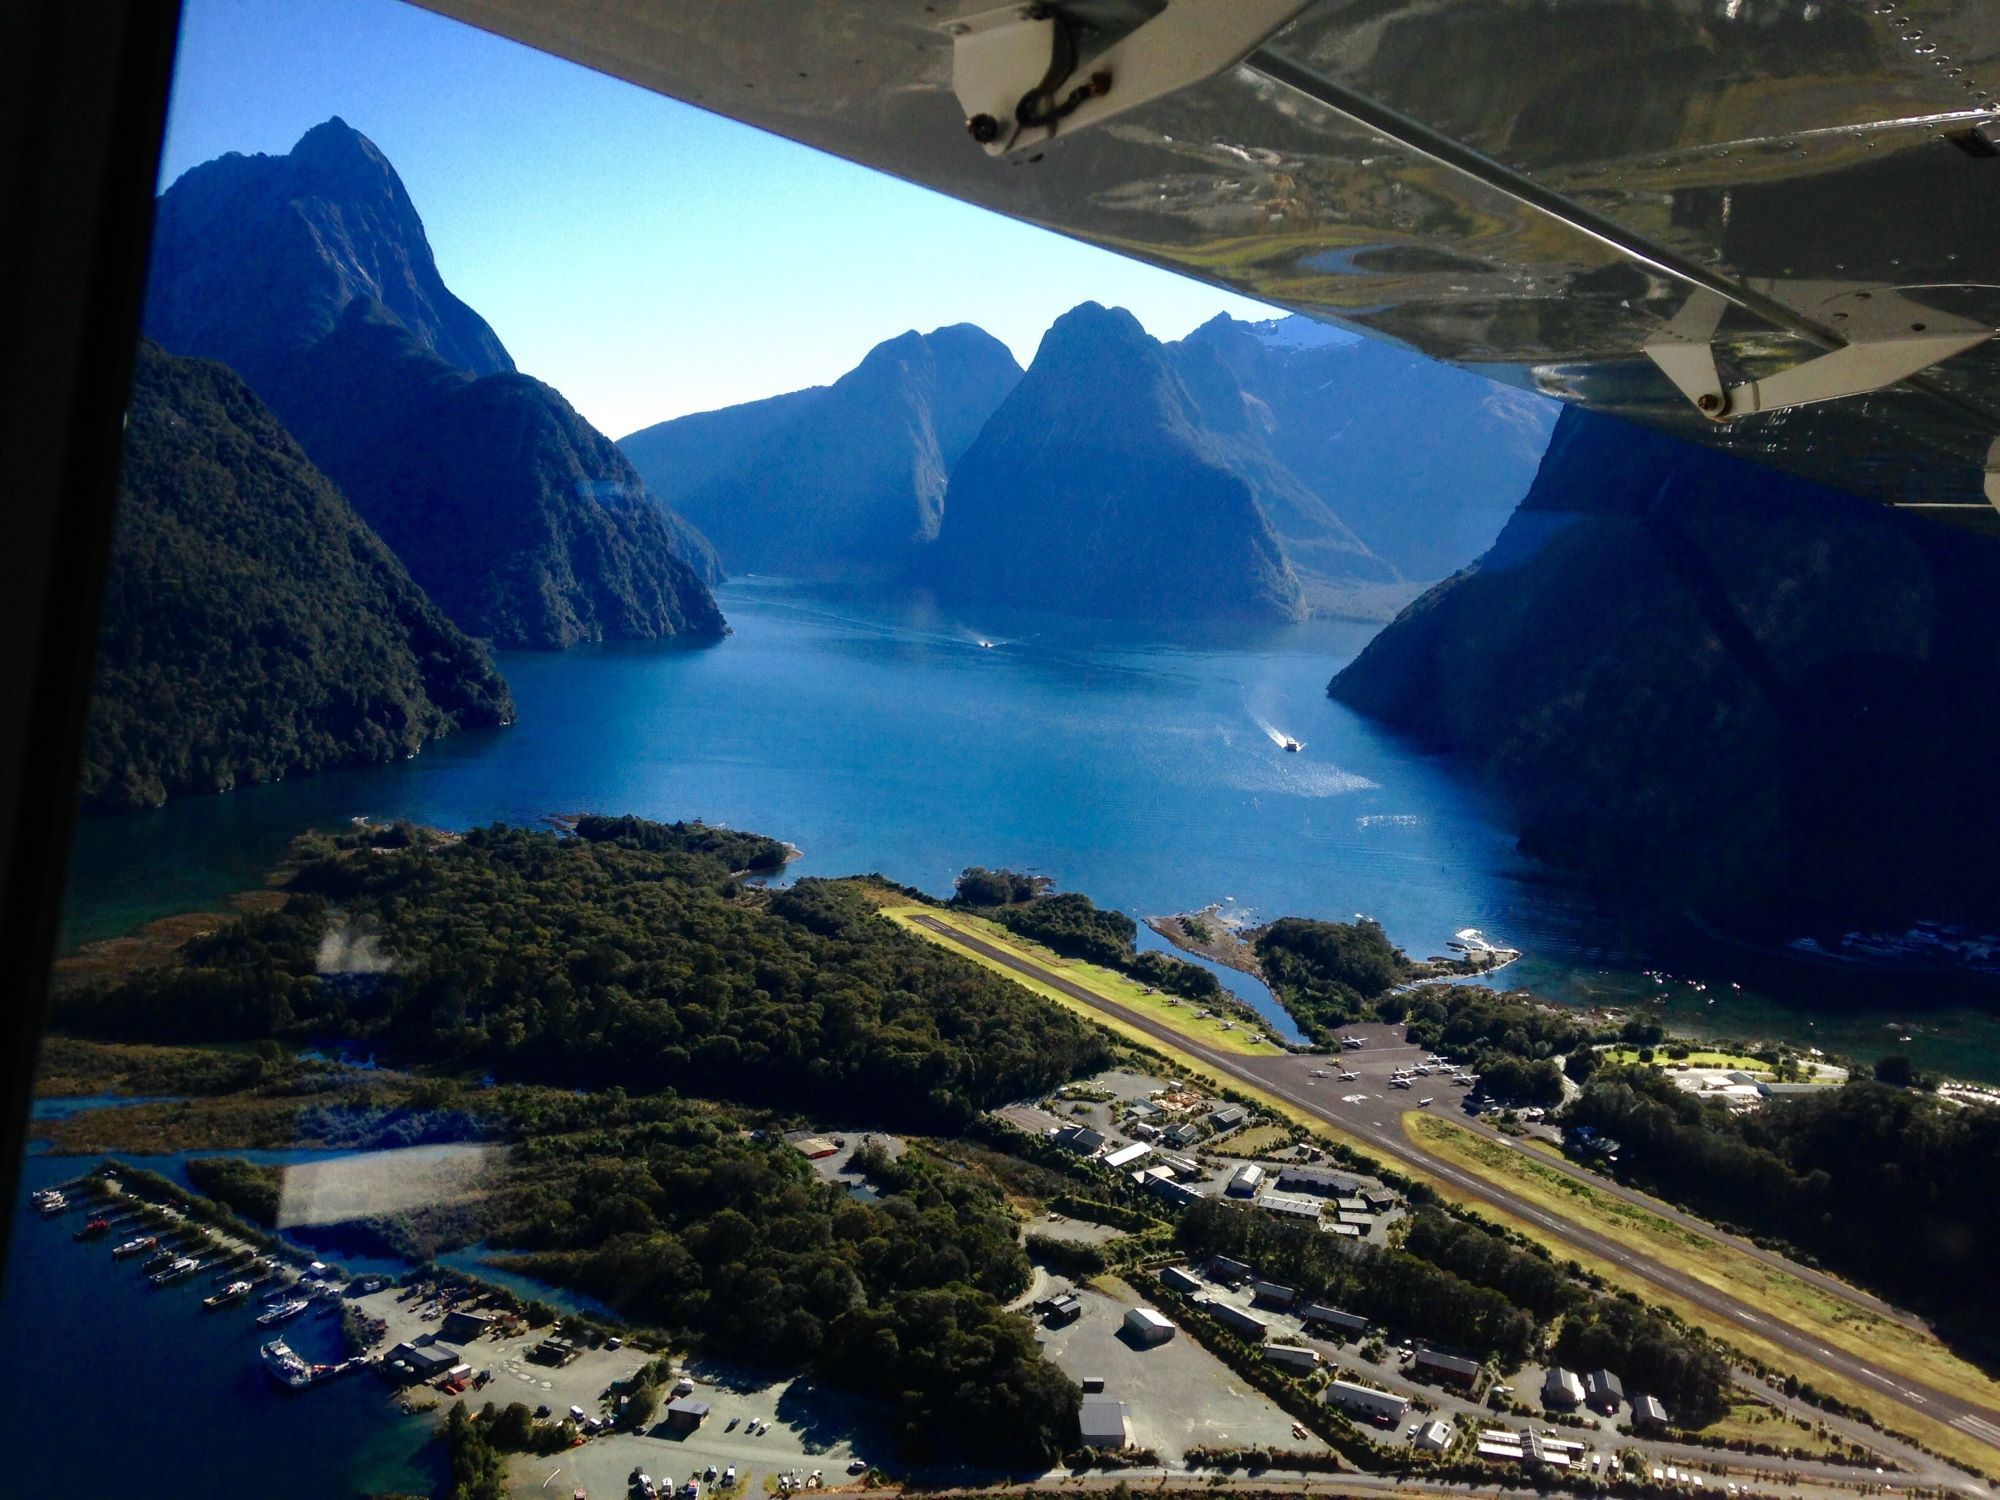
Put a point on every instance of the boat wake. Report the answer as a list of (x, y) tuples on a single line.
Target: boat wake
[(1276, 735)]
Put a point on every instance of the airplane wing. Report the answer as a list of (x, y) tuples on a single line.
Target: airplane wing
[(1770, 225)]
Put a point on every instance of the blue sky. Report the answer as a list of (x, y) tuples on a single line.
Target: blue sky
[(643, 257)]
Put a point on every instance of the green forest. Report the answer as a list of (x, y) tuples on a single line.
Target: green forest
[(597, 963), (1328, 972), (693, 1221), (253, 627)]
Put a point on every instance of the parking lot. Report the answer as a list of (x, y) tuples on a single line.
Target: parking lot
[(1180, 1396), (810, 1428)]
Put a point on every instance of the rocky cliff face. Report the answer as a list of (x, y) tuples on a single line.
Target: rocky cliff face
[(1716, 687), (256, 257), (310, 274), (843, 481), (253, 626), (1096, 488), (1420, 461), (525, 523)]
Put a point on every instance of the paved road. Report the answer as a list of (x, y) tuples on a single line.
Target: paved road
[(1378, 1122)]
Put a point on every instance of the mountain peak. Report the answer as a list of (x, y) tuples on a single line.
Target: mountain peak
[(335, 149), (1091, 324), (255, 259), (845, 479)]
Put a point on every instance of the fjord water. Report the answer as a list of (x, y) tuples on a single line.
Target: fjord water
[(1138, 764)]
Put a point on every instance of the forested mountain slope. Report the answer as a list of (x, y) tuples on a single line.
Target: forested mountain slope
[(253, 627)]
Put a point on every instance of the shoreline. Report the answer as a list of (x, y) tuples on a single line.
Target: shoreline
[(1224, 946)]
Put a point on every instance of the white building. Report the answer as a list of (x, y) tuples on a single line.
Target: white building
[(1436, 1436), (1147, 1327), (1249, 1177), (1366, 1401)]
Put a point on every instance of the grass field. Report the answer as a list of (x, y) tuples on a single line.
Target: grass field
[(1698, 1058), (1220, 1032), (1755, 1422), (1708, 1057), (1767, 1289), (1257, 1138)]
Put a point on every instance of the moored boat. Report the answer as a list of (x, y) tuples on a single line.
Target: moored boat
[(284, 1366), (95, 1228), (139, 1246), (283, 1312), (235, 1292), (183, 1266)]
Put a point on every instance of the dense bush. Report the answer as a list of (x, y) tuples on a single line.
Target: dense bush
[(1649, 1354), (689, 1223), (981, 887), (248, 1188), (1327, 972), (253, 627), (738, 851), (1525, 1278), (602, 963), (1072, 924), (1807, 1170), (1395, 1287)]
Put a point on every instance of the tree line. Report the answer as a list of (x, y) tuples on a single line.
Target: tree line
[(599, 963), (1822, 1172), (1457, 1284), (1070, 923)]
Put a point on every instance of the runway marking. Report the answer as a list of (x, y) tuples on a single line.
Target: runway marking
[(1978, 1427)]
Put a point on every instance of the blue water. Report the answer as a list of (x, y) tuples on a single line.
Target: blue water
[(115, 1386), (62, 1108), (1132, 763)]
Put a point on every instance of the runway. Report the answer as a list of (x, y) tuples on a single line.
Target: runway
[(1376, 1120)]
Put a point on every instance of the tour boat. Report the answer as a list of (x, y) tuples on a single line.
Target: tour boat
[(284, 1366)]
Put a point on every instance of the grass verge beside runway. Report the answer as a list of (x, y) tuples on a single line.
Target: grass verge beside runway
[(1113, 986), (1767, 1289), (1543, 1189)]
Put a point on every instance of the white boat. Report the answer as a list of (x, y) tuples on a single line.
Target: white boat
[(51, 1201), (284, 1311), (284, 1366), (236, 1291), (182, 1266)]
